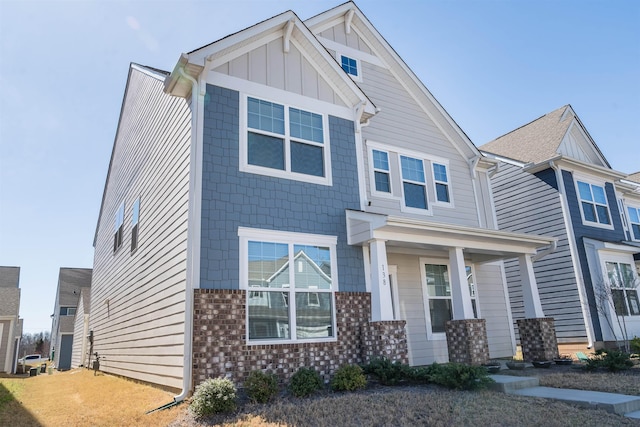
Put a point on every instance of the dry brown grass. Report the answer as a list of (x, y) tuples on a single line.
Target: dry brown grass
[(415, 406), (78, 398)]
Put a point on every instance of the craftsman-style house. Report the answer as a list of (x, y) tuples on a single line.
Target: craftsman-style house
[(293, 195)]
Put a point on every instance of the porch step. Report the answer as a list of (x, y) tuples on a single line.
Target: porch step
[(510, 383), (611, 402)]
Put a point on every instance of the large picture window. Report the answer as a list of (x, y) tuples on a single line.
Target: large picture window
[(593, 203), (285, 141), (624, 290), (290, 285)]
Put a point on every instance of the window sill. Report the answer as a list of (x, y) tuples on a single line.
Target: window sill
[(288, 342)]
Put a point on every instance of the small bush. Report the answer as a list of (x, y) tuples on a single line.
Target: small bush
[(213, 396), (261, 387), (635, 345), (305, 382), (611, 360), (459, 376), (388, 372), (348, 378)]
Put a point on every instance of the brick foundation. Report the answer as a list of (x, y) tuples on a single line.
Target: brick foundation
[(220, 348), (386, 339), (538, 339), (467, 341)]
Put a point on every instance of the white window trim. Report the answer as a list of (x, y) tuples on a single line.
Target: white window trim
[(372, 175), (403, 202), (290, 238), (440, 336), (437, 202), (626, 214), (339, 56), (287, 173), (432, 336), (577, 179), (617, 259)]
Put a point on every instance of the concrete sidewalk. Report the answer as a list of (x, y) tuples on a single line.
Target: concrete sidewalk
[(621, 404)]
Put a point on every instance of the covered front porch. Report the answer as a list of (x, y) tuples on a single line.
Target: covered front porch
[(447, 283)]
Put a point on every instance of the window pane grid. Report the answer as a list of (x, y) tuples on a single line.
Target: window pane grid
[(349, 65), (300, 269), (594, 203)]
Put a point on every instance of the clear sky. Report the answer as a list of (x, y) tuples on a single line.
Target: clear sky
[(494, 65)]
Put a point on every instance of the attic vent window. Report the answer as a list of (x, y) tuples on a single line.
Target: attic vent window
[(349, 65)]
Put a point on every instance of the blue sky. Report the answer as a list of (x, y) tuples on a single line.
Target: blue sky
[(494, 65)]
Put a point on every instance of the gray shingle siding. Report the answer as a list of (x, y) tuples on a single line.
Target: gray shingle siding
[(582, 231), (232, 199)]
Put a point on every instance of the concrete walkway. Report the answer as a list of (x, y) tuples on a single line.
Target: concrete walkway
[(621, 404)]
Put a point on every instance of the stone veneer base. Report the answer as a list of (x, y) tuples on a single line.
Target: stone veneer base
[(220, 348)]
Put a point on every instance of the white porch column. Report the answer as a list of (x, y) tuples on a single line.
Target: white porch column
[(460, 296), (381, 308), (530, 296)]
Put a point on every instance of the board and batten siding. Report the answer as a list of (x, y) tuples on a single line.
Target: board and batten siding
[(138, 298), (530, 203), (403, 124)]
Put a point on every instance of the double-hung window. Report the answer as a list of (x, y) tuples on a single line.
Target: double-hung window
[(286, 142), (118, 229), (634, 222), (441, 180), (593, 202), (290, 283), (624, 292), (135, 217), (414, 188), (381, 171), (438, 297)]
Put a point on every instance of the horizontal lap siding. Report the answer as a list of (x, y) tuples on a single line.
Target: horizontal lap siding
[(138, 299), (403, 124), (530, 204), (79, 337), (494, 308)]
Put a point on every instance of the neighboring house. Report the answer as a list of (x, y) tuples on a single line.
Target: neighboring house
[(10, 323), (81, 351), (71, 282), (304, 144), (554, 180)]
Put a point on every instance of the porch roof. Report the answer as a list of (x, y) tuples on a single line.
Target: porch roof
[(481, 244)]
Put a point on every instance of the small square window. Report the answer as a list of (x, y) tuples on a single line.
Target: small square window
[(349, 65)]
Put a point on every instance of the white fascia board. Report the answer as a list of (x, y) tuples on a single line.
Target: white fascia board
[(246, 40), (490, 155), (573, 165), (614, 247)]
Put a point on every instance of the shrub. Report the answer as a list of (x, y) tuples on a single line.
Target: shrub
[(635, 345), (213, 396), (305, 382), (459, 376), (388, 372), (612, 360), (261, 387), (348, 378)]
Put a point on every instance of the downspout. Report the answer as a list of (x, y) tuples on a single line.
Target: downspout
[(194, 214), (577, 269), (472, 170)]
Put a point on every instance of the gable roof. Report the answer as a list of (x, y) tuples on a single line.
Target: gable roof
[(351, 15), (9, 277), (70, 283), (286, 25), (635, 177), (540, 140)]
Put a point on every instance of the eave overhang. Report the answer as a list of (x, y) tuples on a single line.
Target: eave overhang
[(481, 244), (571, 164), (292, 29)]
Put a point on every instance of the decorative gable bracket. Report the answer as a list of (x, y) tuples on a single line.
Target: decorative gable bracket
[(287, 36)]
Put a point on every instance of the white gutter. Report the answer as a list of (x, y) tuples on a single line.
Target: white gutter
[(193, 233), (577, 268)]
